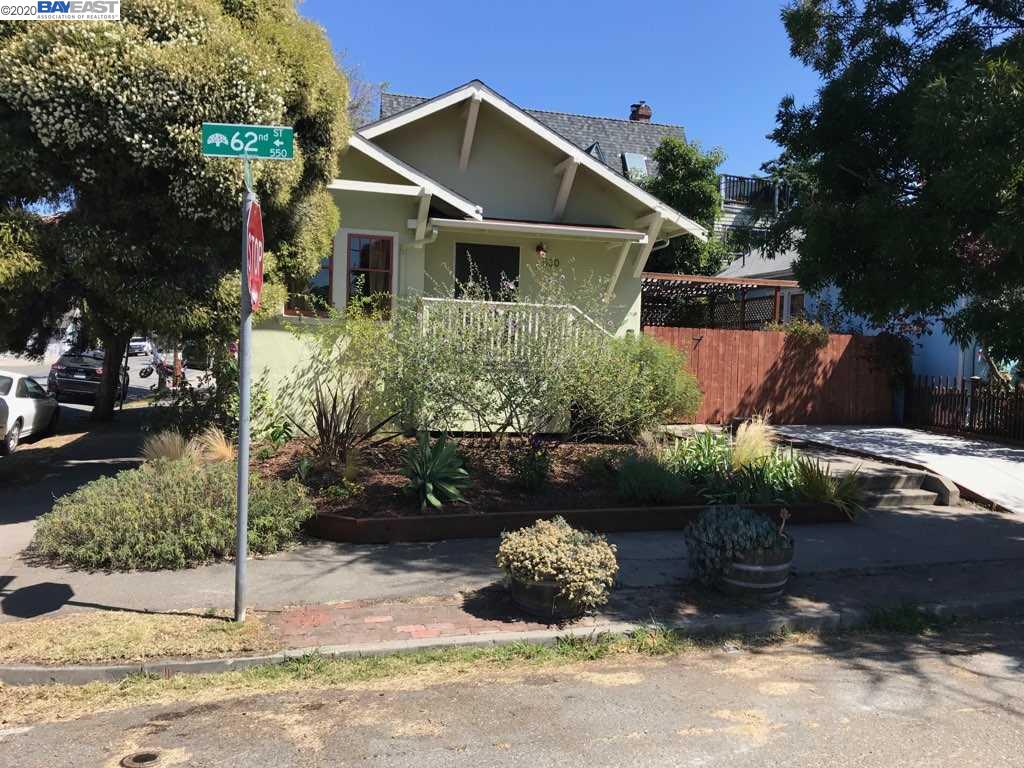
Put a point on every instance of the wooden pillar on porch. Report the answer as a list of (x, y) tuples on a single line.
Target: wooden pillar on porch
[(778, 304)]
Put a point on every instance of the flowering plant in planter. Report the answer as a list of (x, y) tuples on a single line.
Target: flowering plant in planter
[(733, 546), (555, 569)]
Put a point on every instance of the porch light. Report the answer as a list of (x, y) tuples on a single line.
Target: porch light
[(542, 252)]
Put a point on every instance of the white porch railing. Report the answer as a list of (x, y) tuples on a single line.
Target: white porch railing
[(507, 326)]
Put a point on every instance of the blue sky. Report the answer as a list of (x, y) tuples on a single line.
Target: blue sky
[(716, 67)]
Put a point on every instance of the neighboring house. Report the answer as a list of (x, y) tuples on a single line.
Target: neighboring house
[(935, 354)]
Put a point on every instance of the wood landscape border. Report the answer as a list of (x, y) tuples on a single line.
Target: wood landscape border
[(438, 527)]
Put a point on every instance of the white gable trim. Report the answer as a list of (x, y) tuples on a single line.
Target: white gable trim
[(557, 231), (375, 187), (476, 89), (425, 183)]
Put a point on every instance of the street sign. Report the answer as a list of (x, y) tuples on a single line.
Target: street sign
[(254, 254), (246, 143), (252, 142)]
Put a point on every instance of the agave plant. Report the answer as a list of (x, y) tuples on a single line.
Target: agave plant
[(435, 472)]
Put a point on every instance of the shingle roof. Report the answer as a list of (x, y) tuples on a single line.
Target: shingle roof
[(755, 264), (613, 136)]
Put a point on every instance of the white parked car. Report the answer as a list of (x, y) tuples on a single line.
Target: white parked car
[(25, 409), (140, 345)]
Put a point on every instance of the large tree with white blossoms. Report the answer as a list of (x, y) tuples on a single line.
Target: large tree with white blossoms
[(106, 203)]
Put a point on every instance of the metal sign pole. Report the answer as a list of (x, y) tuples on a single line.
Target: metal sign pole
[(244, 375)]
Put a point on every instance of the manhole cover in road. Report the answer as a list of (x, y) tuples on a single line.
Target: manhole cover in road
[(147, 759)]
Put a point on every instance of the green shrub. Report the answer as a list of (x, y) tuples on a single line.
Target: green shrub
[(626, 386), (168, 514), (213, 402), (531, 464), (723, 534), (807, 334), (599, 467), (771, 479), (700, 458), (582, 564), (643, 480), (435, 472)]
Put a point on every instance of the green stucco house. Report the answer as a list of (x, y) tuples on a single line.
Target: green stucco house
[(468, 177)]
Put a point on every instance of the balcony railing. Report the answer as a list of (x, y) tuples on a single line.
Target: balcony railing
[(746, 190), (508, 327)]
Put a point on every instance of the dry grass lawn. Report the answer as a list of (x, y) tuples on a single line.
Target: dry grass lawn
[(122, 636), (395, 672)]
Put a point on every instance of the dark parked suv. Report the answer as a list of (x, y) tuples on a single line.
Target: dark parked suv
[(78, 374)]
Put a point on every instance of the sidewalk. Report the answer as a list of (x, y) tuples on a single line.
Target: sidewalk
[(322, 572), (482, 614), (487, 616)]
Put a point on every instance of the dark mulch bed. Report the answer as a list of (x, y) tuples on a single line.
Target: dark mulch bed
[(576, 482)]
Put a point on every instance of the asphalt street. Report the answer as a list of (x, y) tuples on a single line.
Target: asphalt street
[(870, 702), (137, 386)]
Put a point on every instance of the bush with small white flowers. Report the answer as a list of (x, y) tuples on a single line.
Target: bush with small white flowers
[(582, 564)]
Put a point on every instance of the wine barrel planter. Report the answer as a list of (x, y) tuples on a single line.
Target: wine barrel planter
[(541, 599), (761, 574)]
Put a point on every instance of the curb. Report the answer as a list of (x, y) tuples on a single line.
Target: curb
[(760, 623)]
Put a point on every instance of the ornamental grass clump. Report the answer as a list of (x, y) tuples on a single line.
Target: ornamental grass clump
[(754, 442), (816, 484), (724, 534), (169, 444), (583, 565)]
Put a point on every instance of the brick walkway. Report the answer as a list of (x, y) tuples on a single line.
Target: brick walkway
[(483, 612), (369, 621)]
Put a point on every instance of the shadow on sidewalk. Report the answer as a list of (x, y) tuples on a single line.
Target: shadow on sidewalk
[(47, 597)]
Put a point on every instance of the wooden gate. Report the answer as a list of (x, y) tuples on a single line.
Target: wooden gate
[(972, 408), (748, 372)]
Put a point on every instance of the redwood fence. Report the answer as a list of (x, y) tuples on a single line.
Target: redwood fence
[(748, 372), (972, 408)]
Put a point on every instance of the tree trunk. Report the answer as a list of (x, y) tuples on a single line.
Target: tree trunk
[(110, 384)]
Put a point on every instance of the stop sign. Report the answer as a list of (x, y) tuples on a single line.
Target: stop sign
[(254, 254)]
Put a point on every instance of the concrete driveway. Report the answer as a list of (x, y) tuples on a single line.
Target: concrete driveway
[(992, 470)]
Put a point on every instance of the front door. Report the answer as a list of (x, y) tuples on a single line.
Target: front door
[(492, 268)]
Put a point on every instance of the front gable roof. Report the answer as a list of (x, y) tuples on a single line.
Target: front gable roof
[(475, 89), (424, 182)]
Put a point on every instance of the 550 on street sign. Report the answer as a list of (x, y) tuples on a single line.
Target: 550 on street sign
[(252, 142)]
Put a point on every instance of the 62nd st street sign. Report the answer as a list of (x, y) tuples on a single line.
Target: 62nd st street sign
[(250, 142)]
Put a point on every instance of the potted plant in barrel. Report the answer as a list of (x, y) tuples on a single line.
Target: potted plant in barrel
[(740, 552), (556, 572)]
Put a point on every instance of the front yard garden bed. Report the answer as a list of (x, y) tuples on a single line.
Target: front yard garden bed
[(582, 476), (583, 487)]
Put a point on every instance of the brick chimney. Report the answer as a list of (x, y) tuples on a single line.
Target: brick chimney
[(640, 112)]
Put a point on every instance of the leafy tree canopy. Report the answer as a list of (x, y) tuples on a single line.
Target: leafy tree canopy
[(908, 167), (100, 122), (687, 180)]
